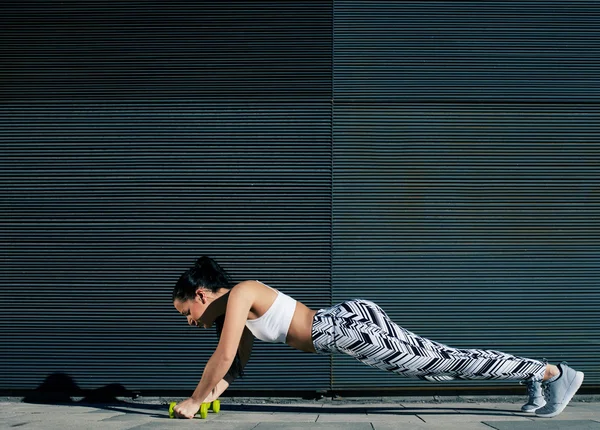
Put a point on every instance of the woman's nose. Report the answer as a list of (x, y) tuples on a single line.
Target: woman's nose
[(191, 321)]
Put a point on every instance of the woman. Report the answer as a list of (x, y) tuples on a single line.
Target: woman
[(205, 296)]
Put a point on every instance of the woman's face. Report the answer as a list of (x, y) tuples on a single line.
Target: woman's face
[(193, 309)]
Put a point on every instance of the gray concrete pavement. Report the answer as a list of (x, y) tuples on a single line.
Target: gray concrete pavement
[(472, 413)]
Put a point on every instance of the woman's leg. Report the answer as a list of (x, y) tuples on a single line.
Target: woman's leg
[(364, 331)]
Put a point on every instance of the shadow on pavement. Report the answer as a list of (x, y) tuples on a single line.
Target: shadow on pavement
[(361, 409), (60, 388)]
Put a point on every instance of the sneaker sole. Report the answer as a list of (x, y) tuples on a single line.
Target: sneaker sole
[(577, 381), (530, 409), (533, 409)]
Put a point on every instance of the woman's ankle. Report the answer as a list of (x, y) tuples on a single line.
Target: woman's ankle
[(551, 372)]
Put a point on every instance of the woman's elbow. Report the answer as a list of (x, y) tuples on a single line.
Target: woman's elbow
[(225, 357)]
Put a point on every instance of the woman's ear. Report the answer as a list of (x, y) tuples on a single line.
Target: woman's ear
[(201, 295)]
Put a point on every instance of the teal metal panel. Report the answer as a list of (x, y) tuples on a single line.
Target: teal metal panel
[(178, 49), (466, 176), (135, 138), (504, 51), (104, 206)]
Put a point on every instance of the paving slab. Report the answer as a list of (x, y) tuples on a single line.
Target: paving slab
[(268, 417), (311, 426), (420, 425), (194, 424), (62, 424), (271, 412), (546, 425), (124, 418), (484, 408), (289, 417), (456, 418), (575, 413), (56, 420), (289, 414)]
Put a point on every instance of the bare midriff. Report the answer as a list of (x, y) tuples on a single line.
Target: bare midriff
[(299, 335)]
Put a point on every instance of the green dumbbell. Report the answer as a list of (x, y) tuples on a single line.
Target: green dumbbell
[(215, 406)]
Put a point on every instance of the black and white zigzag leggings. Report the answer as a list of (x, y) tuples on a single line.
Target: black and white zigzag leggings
[(362, 329)]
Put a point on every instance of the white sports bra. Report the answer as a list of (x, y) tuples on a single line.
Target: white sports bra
[(274, 324)]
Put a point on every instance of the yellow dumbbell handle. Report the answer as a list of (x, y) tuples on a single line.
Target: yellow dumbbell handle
[(215, 406)]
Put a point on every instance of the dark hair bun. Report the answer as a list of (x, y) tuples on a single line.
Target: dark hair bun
[(203, 261)]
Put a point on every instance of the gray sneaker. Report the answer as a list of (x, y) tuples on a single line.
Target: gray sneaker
[(536, 396), (559, 393)]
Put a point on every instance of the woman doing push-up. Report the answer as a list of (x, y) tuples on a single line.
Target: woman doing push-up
[(205, 295)]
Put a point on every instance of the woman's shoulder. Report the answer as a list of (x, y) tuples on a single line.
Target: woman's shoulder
[(249, 283), (254, 293), (250, 286)]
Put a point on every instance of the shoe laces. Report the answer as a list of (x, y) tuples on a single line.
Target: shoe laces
[(547, 393), (531, 388)]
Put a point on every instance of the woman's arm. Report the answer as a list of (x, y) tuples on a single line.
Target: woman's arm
[(216, 392), (238, 306), (244, 350), (240, 300)]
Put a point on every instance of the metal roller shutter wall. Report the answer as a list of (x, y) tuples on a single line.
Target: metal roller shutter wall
[(136, 137), (466, 176), (459, 86)]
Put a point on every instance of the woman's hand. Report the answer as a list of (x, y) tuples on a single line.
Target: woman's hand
[(187, 408)]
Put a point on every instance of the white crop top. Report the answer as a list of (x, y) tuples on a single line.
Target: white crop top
[(274, 324)]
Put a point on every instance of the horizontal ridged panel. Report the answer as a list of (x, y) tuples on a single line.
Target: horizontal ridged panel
[(465, 175), (473, 226), (135, 136), (535, 51), (146, 131), (105, 204), (155, 49)]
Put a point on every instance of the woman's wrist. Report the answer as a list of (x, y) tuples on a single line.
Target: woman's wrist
[(195, 398), (220, 388), (214, 394)]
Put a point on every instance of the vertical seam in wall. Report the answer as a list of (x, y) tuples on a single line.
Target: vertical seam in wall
[(332, 183)]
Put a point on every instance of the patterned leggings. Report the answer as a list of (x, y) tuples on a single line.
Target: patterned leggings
[(362, 330)]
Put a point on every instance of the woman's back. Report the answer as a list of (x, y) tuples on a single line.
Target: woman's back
[(268, 302)]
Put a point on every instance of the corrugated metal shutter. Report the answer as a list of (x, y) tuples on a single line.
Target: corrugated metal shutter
[(466, 175), (136, 137)]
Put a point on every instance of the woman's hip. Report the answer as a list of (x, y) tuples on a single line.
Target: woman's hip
[(332, 324)]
